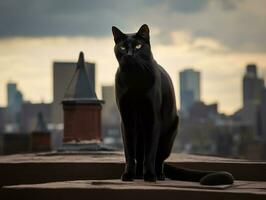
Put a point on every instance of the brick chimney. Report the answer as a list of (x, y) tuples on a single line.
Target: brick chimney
[(41, 137), (82, 109)]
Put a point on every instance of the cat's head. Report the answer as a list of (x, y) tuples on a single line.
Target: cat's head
[(134, 46)]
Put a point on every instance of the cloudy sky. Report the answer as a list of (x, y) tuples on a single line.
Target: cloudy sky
[(217, 37)]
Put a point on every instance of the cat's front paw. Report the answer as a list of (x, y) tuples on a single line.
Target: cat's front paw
[(126, 176), (149, 177)]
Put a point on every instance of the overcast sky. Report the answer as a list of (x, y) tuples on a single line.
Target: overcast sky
[(217, 37)]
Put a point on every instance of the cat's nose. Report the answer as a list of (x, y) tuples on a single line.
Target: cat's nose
[(129, 52)]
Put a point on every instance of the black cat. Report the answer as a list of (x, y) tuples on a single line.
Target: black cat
[(146, 101)]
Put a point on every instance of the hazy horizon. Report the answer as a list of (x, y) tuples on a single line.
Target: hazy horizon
[(217, 38)]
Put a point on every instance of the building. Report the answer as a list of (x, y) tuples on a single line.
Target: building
[(110, 111), (82, 108), (252, 86), (189, 89), (2, 119), (29, 113), (110, 118), (14, 102), (199, 111), (62, 74), (252, 95), (41, 139), (14, 143)]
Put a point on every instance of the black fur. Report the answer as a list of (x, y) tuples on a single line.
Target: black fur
[(146, 101)]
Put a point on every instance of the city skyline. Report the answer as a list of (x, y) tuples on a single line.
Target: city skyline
[(100, 86), (218, 38)]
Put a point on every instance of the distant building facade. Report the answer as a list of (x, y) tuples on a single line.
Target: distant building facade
[(2, 119), (62, 74), (252, 86), (110, 111), (14, 102), (110, 118), (82, 108), (189, 89), (199, 111), (29, 113), (252, 95)]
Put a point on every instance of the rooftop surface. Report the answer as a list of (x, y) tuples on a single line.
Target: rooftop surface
[(74, 175), (101, 156)]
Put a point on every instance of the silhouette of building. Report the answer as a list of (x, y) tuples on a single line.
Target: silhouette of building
[(252, 95), (199, 111), (14, 102), (13, 143), (82, 109), (41, 139), (252, 86), (110, 118), (29, 111), (62, 74), (2, 119), (189, 89)]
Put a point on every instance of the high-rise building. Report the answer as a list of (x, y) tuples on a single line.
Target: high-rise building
[(252, 86), (62, 74), (189, 89), (110, 118), (11, 93), (252, 95), (110, 115), (14, 102)]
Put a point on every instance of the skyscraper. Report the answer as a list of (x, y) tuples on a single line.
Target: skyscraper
[(110, 118), (252, 95), (252, 86), (110, 112), (189, 89), (14, 101), (62, 74), (11, 93)]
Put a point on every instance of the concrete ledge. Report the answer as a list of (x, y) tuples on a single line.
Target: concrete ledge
[(135, 190), (49, 167)]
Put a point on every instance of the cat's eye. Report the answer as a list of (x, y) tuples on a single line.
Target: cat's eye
[(138, 46), (122, 48)]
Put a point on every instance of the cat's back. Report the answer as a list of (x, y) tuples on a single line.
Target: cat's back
[(166, 82), (168, 108)]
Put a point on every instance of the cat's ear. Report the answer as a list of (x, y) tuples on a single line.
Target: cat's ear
[(118, 35), (144, 32)]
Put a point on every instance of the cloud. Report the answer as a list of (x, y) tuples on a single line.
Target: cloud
[(230, 4), (188, 6), (237, 24)]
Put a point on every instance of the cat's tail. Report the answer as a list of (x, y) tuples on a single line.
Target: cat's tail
[(204, 177)]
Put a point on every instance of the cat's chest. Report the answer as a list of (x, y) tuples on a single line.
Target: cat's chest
[(137, 79)]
